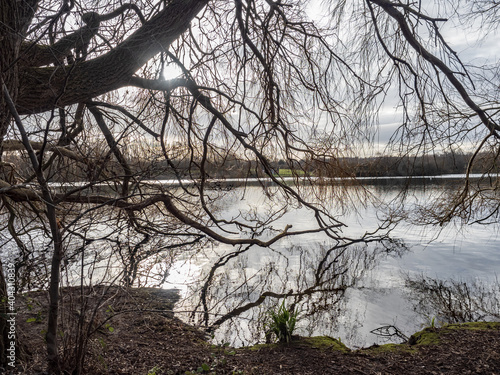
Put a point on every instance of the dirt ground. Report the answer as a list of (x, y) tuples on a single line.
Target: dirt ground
[(134, 333)]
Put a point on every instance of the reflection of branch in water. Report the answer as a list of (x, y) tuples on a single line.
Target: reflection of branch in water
[(248, 306), (221, 262), (454, 301), (389, 332), (315, 278)]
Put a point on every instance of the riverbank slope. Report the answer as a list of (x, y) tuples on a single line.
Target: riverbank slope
[(135, 333)]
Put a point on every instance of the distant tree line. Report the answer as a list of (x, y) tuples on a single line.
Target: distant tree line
[(427, 165), (232, 166)]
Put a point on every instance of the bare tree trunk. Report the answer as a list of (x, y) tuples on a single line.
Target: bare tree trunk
[(9, 47), (15, 17), (51, 337)]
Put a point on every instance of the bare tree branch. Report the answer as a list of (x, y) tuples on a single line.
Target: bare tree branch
[(109, 71)]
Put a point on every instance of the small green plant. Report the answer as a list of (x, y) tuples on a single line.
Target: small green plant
[(154, 371), (102, 361), (30, 305), (109, 327), (203, 368), (37, 319), (281, 323), (102, 343), (433, 323)]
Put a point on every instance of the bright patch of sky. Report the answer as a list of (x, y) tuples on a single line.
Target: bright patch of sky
[(171, 71)]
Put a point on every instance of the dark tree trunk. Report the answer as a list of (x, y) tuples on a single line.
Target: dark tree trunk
[(45, 88), (55, 275), (15, 17), (9, 78)]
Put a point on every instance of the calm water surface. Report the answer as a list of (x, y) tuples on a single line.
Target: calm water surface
[(378, 297)]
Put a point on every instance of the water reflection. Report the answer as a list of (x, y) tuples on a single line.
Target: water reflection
[(454, 301), (346, 288), (245, 283)]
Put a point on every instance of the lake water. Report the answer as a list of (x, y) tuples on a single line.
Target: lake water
[(340, 292), (377, 294)]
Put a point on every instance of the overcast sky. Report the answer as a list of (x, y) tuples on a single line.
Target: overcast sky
[(473, 45)]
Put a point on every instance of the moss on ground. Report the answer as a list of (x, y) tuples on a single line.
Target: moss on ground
[(428, 336), (261, 346), (318, 342), (475, 326), (324, 342)]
